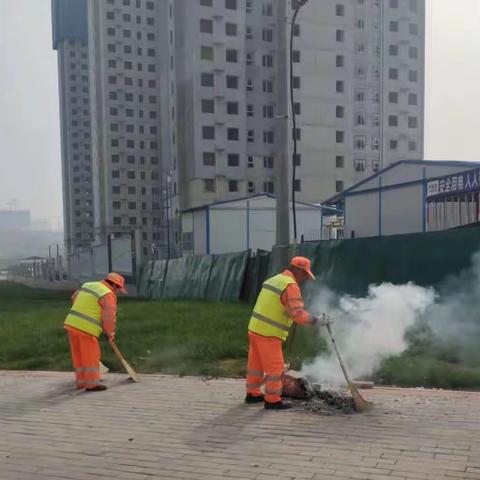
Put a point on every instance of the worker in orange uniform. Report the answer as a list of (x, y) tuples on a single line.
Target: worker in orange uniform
[(279, 304), (94, 311)]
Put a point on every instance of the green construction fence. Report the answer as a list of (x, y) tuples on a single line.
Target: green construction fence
[(345, 266)]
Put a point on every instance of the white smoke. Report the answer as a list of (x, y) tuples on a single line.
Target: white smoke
[(367, 330)]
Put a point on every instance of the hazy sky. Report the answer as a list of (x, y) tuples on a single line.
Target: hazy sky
[(29, 120)]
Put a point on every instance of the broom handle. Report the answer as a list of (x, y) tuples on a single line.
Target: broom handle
[(344, 370), (116, 351)]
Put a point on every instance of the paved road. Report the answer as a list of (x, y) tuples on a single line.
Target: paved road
[(170, 427)]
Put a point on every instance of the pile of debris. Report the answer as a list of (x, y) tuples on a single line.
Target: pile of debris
[(310, 397)]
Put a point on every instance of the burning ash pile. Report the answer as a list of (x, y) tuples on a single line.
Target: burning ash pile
[(311, 398)]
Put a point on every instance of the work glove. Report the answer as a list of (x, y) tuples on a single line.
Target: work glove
[(322, 321), (110, 337)]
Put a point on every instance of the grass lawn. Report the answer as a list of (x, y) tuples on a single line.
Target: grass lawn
[(180, 337), (186, 338)]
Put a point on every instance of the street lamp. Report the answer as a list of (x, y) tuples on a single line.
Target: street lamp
[(296, 6)]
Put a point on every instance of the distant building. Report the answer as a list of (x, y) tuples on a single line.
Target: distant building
[(246, 223), (14, 219), (168, 105), (412, 197)]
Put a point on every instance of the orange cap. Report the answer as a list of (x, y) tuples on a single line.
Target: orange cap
[(303, 263), (117, 280)]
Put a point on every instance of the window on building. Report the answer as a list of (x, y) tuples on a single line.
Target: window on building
[(297, 159), (296, 56), (393, 74), (297, 108), (206, 53), (412, 99), (412, 146), (267, 61), (338, 186), (413, 52), (251, 187), (296, 82), (268, 187), (412, 122), (339, 161), (231, 29), (340, 35), (393, 26), (360, 95), (267, 35), (268, 162), (232, 81), (393, 97), (361, 24), (413, 29), (208, 158), (297, 185), (268, 111), (393, 145), (233, 185), (209, 184), (250, 163), (339, 86), (267, 9), (248, 32), (231, 55), (339, 136), (208, 106), (267, 86), (233, 160), (360, 119), (268, 136), (233, 134), (250, 136), (115, 173), (392, 121), (207, 79), (250, 110), (393, 3), (393, 50), (413, 76), (231, 4), (339, 111), (208, 133), (339, 10), (232, 108), (339, 60), (360, 142), (206, 3), (206, 25)]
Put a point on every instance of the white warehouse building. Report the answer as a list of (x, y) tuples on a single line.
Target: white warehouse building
[(248, 223), (396, 200)]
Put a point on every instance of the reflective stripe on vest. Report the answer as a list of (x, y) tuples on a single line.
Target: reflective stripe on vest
[(269, 317), (86, 313)]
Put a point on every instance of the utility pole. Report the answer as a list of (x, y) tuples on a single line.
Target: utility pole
[(282, 130)]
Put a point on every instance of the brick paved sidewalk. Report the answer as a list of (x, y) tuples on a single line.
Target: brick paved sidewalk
[(170, 427)]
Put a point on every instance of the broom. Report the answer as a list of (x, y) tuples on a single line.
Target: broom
[(126, 365), (360, 403)]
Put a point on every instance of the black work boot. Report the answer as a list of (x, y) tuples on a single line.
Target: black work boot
[(254, 398), (278, 405), (96, 388)]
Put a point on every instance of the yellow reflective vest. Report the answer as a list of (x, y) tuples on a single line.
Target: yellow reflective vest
[(86, 313), (269, 317)]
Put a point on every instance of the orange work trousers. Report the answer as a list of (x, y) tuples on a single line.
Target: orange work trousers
[(265, 366), (85, 357)]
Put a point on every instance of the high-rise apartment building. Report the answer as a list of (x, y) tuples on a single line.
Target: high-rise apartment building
[(183, 102), (70, 40)]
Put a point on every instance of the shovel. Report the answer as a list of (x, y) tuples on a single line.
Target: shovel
[(360, 403), (126, 365)]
